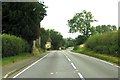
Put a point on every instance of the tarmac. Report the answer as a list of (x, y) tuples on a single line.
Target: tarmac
[(7, 70)]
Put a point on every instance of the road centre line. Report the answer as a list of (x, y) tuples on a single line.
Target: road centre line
[(30, 66), (73, 66), (69, 60), (79, 74)]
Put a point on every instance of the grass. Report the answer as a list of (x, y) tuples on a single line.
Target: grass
[(108, 58), (13, 59), (20, 57)]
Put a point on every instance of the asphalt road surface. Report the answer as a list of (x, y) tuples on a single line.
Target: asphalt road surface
[(66, 64)]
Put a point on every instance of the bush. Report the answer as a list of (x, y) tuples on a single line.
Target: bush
[(103, 43), (76, 47), (12, 45)]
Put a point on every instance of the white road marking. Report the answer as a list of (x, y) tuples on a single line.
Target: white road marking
[(80, 75), (9, 73), (29, 67), (97, 59), (76, 70), (51, 73), (73, 66), (5, 76), (66, 56), (69, 59), (56, 72)]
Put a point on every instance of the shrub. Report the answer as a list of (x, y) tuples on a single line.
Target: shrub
[(103, 43), (12, 45), (76, 47)]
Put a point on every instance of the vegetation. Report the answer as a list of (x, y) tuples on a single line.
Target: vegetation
[(23, 21), (81, 22), (69, 42), (104, 28), (56, 39), (80, 40), (44, 37), (53, 36), (105, 57), (103, 46), (16, 58), (106, 43), (12, 45)]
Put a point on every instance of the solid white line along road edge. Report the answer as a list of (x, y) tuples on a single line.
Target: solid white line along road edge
[(29, 66), (98, 60), (9, 73)]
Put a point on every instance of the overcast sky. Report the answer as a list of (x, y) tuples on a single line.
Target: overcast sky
[(59, 11)]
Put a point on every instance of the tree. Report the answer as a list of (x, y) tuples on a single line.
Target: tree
[(44, 37), (105, 28), (57, 39), (81, 22), (23, 21), (79, 40), (69, 42)]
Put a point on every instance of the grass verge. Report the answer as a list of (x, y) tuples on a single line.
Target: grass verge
[(13, 59), (105, 57)]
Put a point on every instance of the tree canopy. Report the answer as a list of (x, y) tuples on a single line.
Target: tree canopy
[(81, 22), (56, 38), (23, 19)]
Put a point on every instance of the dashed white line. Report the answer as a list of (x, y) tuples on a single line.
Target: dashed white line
[(69, 60), (80, 75), (29, 67), (66, 56), (73, 65)]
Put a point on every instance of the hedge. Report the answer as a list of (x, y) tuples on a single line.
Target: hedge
[(103, 43), (12, 45)]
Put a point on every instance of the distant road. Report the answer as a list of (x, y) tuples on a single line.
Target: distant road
[(66, 64)]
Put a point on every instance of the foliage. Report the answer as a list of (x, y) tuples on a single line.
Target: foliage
[(104, 43), (69, 42), (109, 58), (56, 39), (80, 40), (12, 45), (16, 58), (23, 21), (44, 37), (105, 28), (35, 51), (81, 22), (53, 36)]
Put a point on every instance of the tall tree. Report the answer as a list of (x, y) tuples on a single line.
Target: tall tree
[(105, 28), (81, 22), (57, 39), (69, 42), (23, 19), (44, 37), (79, 40)]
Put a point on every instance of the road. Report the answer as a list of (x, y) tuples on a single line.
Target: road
[(66, 64)]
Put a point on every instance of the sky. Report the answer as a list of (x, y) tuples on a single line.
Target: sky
[(60, 11)]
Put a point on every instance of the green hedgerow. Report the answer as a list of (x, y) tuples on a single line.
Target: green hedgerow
[(12, 45), (103, 43)]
